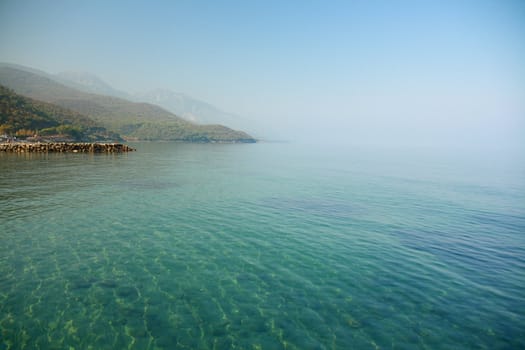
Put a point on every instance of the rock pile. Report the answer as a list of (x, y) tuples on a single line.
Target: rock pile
[(74, 147)]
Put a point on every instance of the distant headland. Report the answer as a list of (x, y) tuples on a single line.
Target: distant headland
[(64, 147), (36, 105)]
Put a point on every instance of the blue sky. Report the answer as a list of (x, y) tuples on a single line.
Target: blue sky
[(389, 71)]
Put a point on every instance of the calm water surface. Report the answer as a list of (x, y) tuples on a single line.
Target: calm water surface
[(265, 246)]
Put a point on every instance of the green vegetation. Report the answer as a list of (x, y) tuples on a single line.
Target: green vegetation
[(187, 132), (139, 121), (24, 117)]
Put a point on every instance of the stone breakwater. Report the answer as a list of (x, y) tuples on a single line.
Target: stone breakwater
[(71, 147)]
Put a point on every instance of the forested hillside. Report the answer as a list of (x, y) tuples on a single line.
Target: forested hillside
[(135, 121), (23, 117)]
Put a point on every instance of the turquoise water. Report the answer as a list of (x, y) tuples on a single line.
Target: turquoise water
[(264, 246)]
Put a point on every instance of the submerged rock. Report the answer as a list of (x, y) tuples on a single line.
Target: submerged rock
[(108, 283), (81, 284), (128, 292)]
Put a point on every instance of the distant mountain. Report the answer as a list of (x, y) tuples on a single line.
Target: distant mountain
[(25, 69), (188, 107), (82, 81), (22, 116), (88, 82), (130, 119)]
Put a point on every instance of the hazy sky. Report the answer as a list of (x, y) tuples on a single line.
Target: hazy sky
[(372, 71)]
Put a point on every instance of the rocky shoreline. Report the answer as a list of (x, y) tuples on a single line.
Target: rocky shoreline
[(62, 147)]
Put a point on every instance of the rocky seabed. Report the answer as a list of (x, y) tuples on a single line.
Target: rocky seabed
[(72, 147)]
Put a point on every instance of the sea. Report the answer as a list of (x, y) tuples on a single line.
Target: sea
[(262, 246)]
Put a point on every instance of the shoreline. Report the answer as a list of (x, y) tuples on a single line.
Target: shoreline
[(64, 147)]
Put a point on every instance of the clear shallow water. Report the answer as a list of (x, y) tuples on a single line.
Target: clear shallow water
[(265, 246)]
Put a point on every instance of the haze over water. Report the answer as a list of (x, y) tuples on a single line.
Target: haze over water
[(392, 217), (384, 73), (263, 246)]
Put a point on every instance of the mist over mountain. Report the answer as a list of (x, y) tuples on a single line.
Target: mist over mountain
[(88, 82), (189, 108), (133, 120), (184, 106)]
